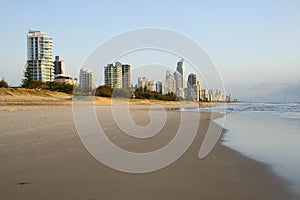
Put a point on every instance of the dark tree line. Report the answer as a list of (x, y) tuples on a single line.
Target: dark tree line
[(106, 91)]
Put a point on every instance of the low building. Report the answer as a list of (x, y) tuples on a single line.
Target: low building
[(65, 79)]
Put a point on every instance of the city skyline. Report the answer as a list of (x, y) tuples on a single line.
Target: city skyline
[(256, 54), (118, 76)]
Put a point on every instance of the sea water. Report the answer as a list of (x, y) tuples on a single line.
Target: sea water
[(266, 132)]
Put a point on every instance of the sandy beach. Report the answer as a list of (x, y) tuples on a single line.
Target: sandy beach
[(42, 157)]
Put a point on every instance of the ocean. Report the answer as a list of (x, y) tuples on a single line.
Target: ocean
[(266, 132)]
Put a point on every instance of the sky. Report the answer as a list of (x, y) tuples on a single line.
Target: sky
[(255, 45)]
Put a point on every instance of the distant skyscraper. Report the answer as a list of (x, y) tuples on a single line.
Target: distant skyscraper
[(178, 80), (193, 88), (219, 95), (192, 79), (180, 68), (228, 98), (39, 56), (178, 76), (170, 85), (204, 95), (113, 75), (211, 95), (158, 86), (59, 67), (126, 76), (150, 86), (86, 78), (142, 82)]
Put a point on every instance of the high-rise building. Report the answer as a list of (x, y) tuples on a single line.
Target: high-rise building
[(180, 92), (145, 84), (158, 86), (39, 56), (86, 78), (113, 75), (170, 85), (180, 68), (211, 95), (150, 86), (142, 82), (178, 76), (185, 92), (228, 98), (126, 76), (192, 79), (178, 81), (59, 67), (219, 95), (193, 88), (204, 95)]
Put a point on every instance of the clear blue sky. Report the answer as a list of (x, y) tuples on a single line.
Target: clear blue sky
[(255, 44)]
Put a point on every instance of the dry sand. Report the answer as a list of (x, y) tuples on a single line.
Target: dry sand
[(34, 99), (42, 157)]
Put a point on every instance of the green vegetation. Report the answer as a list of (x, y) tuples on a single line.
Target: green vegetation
[(155, 95), (52, 86), (28, 78), (3, 83), (60, 87), (22, 92), (28, 82), (106, 91), (121, 93)]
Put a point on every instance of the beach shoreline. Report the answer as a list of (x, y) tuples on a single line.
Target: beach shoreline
[(40, 148)]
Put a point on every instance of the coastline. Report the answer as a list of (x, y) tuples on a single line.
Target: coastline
[(267, 137), (51, 159)]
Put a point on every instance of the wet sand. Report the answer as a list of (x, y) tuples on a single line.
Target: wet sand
[(42, 157)]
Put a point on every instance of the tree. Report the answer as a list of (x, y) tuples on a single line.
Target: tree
[(28, 77), (59, 87), (104, 91), (3, 83)]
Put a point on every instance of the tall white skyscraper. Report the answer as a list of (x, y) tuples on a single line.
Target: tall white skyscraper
[(86, 78), (39, 56)]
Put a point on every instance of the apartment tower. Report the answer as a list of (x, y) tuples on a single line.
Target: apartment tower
[(39, 56)]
